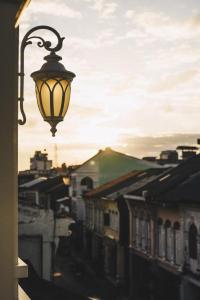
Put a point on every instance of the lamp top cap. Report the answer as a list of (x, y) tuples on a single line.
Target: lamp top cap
[(52, 67), (52, 57)]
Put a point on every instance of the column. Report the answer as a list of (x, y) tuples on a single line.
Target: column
[(8, 150), (106, 259), (198, 253), (120, 264), (47, 260)]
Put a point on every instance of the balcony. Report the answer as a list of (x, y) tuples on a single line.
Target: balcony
[(21, 294), (22, 272)]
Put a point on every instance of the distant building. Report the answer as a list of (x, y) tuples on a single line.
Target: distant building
[(171, 158), (167, 158), (40, 165), (187, 151), (40, 161), (103, 167), (169, 155)]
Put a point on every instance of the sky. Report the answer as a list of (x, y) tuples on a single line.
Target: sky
[(137, 85)]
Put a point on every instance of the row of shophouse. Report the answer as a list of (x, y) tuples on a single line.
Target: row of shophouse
[(137, 223), (140, 225)]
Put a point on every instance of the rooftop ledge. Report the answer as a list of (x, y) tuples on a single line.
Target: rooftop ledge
[(22, 269), (22, 272)]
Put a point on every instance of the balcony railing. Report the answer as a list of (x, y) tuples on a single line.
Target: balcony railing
[(22, 272), (21, 294)]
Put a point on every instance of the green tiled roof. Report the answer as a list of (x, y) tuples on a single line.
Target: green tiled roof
[(113, 164)]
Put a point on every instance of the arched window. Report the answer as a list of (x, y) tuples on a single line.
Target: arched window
[(193, 241), (159, 237), (144, 228), (87, 184), (148, 236), (176, 243), (167, 240), (140, 231)]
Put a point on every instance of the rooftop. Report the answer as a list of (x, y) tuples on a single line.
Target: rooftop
[(177, 184), (112, 164), (130, 180)]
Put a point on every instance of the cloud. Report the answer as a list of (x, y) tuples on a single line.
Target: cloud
[(172, 81), (153, 145), (106, 9), (98, 4), (123, 86), (147, 18), (129, 14), (109, 10), (87, 111), (161, 26), (194, 21), (54, 8), (105, 38)]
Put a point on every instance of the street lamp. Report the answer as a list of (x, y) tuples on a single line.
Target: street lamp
[(52, 81)]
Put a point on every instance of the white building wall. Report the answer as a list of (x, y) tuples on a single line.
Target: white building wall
[(90, 169), (40, 222)]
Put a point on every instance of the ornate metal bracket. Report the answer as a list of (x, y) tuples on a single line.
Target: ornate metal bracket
[(27, 40)]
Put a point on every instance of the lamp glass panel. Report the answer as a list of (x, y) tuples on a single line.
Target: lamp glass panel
[(46, 93), (67, 99), (55, 89), (57, 96), (37, 91), (43, 96)]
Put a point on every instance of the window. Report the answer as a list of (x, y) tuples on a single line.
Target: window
[(148, 235), (176, 242), (133, 233), (87, 183), (137, 231), (144, 226), (159, 237), (140, 223), (106, 219), (193, 242), (168, 240), (114, 220)]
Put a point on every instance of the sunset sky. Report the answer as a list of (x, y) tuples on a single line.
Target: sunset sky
[(137, 88)]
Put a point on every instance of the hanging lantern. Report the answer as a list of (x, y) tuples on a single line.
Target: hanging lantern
[(53, 88)]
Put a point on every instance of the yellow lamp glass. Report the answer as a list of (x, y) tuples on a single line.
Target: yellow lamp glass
[(53, 96)]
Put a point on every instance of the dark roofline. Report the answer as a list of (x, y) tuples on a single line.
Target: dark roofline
[(151, 164), (112, 183), (160, 191), (79, 166), (182, 147), (60, 186), (122, 182), (46, 184)]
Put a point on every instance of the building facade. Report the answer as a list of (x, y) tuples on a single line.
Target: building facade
[(107, 225), (105, 166), (164, 235)]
